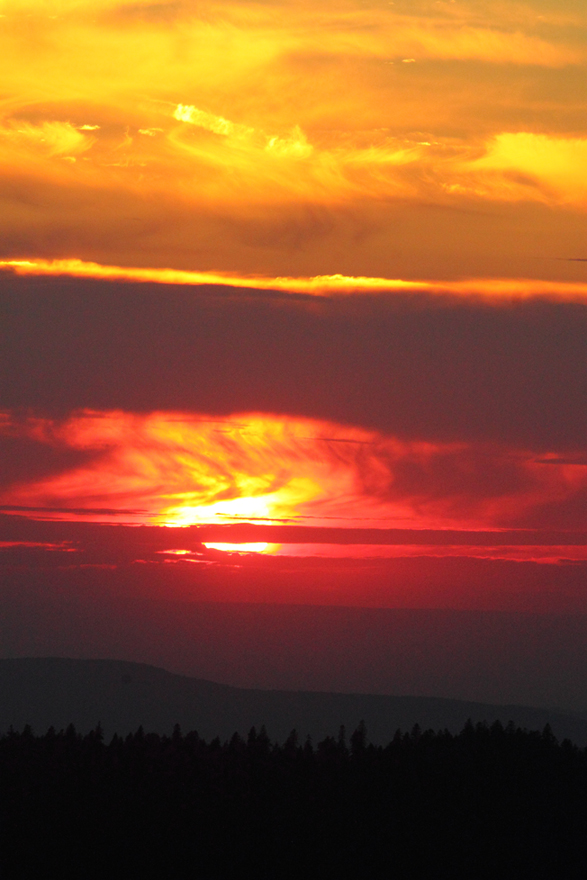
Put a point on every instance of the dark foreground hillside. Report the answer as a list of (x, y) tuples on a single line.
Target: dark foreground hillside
[(490, 802), (45, 692)]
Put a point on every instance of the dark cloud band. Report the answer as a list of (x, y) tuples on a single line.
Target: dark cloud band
[(418, 366)]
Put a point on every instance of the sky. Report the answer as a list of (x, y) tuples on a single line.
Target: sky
[(294, 302), (410, 140)]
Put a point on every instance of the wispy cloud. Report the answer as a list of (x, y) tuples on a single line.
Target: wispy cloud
[(335, 138), (181, 470)]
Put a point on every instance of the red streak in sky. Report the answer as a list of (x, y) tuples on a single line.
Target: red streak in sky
[(268, 473)]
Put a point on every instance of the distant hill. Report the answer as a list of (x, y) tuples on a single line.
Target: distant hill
[(46, 692)]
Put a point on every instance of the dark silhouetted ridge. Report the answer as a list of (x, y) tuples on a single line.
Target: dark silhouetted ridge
[(121, 696)]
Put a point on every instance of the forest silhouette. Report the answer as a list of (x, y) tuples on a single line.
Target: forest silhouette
[(491, 801)]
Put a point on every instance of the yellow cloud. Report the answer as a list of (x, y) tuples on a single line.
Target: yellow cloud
[(270, 124), (51, 138), (558, 164), (210, 122), (294, 145), (491, 289)]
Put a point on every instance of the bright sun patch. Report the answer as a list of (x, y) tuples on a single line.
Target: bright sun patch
[(267, 471), (255, 547)]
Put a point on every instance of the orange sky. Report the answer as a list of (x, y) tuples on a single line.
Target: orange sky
[(430, 153), (293, 312), (410, 140)]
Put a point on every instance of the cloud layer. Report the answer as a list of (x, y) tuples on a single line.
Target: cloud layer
[(174, 403), (404, 140), (419, 366)]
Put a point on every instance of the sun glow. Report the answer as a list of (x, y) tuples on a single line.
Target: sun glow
[(255, 547), (177, 470), (272, 507)]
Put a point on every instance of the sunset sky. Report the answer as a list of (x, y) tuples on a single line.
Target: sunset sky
[(294, 301)]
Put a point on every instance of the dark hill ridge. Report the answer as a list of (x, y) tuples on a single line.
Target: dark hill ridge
[(46, 692)]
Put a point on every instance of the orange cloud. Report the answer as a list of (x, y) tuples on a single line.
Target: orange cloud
[(51, 138), (539, 166), (260, 137), (179, 470), (491, 289)]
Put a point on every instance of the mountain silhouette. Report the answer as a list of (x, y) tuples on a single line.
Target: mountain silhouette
[(121, 696)]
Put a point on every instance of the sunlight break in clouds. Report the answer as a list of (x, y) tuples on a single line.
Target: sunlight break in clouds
[(180, 470), (186, 471)]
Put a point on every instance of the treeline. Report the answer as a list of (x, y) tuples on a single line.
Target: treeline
[(490, 802)]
